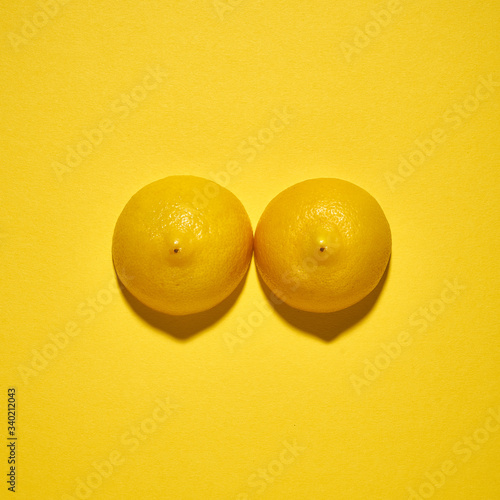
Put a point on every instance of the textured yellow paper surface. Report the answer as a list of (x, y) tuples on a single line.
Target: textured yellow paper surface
[(399, 395)]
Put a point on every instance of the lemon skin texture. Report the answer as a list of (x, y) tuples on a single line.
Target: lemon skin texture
[(322, 245), (182, 244)]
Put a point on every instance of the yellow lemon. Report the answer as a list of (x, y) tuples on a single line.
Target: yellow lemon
[(322, 245), (182, 244)]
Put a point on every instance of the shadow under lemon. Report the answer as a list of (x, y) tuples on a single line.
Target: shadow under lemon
[(326, 326), (182, 327)]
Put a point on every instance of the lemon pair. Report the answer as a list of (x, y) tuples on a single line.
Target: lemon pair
[(182, 244)]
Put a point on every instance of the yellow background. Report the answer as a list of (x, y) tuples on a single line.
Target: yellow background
[(292, 378)]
